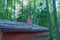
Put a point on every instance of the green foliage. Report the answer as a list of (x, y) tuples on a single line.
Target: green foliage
[(7, 11), (41, 16), (25, 10)]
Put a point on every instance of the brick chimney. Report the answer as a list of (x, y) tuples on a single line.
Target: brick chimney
[(29, 20)]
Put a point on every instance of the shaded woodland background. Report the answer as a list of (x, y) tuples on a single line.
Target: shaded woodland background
[(19, 10)]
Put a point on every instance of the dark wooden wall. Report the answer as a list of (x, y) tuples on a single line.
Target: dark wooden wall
[(19, 36), (1, 34)]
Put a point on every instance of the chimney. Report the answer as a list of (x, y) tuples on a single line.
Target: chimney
[(29, 20)]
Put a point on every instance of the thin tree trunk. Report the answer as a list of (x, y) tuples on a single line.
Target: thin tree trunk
[(56, 20), (49, 23)]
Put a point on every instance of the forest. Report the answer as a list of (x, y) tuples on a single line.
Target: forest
[(20, 10)]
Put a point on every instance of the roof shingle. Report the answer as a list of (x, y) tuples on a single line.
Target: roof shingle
[(11, 26)]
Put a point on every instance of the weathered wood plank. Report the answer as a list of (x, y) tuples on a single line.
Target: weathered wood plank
[(19, 36)]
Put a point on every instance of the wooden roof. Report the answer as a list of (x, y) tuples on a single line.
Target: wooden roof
[(11, 26)]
